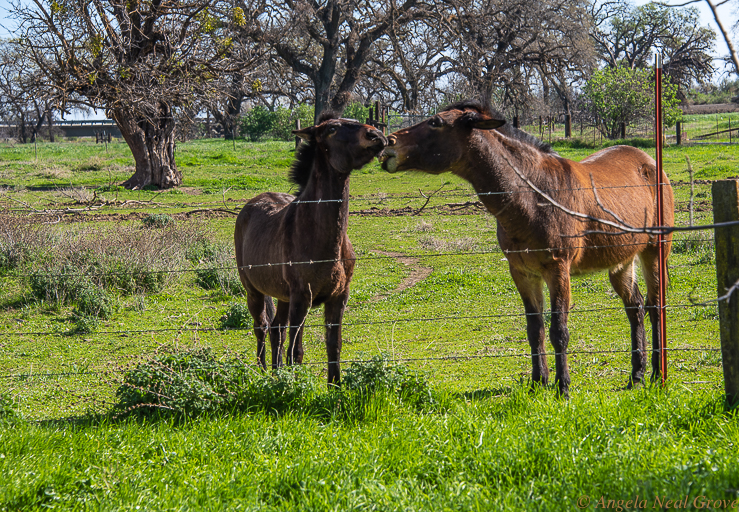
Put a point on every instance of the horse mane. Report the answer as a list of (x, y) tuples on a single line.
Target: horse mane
[(507, 129), (302, 166)]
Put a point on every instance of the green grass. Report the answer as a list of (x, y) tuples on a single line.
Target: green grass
[(502, 449), (489, 445)]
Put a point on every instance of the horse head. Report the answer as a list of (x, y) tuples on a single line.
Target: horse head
[(436, 144)]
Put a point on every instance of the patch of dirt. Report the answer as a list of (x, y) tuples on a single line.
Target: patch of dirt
[(190, 191), (716, 108), (417, 274), (466, 208)]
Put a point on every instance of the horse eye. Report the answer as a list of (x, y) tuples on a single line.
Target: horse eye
[(434, 122), (331, 129)]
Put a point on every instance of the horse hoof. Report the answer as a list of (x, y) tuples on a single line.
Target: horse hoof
[(634, 383)]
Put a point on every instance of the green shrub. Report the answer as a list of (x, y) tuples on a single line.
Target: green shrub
[(378, 373), (94, 301), (85, 324), (195, 382), (237, 317), (284, 124), (58, 284), (157, 220), (257, 123), (201, 250), (356, 111)]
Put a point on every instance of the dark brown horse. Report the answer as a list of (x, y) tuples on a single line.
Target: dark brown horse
[(296, 250), (544, 243)]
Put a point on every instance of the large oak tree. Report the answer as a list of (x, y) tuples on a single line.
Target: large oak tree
[(139, 60)]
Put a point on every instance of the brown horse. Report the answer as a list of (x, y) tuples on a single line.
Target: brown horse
[(543, 242), (296, 248)]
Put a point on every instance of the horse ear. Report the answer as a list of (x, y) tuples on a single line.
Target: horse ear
[(488, 124), (306, 133), (480, 122)]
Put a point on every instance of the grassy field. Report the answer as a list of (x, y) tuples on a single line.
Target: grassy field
[(431, 290)]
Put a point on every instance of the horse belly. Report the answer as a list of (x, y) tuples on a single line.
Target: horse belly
[(605, 252)]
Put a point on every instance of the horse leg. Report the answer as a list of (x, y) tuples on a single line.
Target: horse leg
[(333, 315), (255, 301), (650, 265), (298, 308), (623, 280), (558, 283), (532, 293), (277, 332)]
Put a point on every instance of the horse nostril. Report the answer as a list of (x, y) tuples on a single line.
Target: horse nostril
[(391, 140)]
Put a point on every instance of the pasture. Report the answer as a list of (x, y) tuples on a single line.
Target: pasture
[(431, 290)]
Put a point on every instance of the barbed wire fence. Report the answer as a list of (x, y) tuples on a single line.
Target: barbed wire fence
[(108, 375)]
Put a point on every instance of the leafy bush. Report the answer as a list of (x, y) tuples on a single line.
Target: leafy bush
[(257, 123), (367, 377), (624, 95), (285, 120), (202, 250), (157, 220), (357, 111), (195, 382), (237, 317)]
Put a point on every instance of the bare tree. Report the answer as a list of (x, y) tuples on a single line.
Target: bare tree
[(626, 35), (139, 61), (328, 42), (22, 101), (732, 57), (406, 66), (497, 44)]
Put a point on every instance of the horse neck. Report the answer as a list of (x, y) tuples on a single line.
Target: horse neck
[(325, 212), (487, 167)]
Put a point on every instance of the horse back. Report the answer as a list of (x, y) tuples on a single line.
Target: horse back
[(258, 227)]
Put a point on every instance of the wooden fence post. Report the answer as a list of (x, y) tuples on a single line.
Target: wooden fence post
[(726, 209), (297, 139), (568, 126), (679, 133)]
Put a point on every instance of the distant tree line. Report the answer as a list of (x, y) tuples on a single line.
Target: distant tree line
[(155, 65)]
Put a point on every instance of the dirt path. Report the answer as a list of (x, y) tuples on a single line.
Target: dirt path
[(417, 274)]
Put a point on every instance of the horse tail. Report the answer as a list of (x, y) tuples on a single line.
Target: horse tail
[(270, 307)]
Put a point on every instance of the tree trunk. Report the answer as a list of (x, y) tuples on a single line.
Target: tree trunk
[(51, 125), (152, 145)]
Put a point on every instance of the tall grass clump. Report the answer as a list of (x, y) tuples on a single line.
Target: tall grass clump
[(8, 413), (215, 267), (157, 221), (90, 268), (22, 241)]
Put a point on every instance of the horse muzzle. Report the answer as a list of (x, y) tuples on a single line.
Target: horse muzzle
[(389, 160)]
